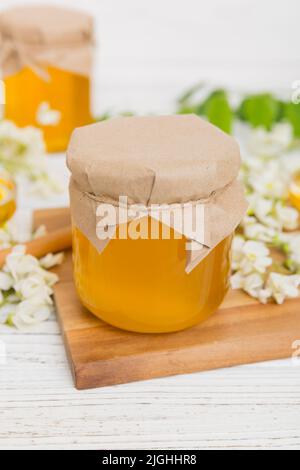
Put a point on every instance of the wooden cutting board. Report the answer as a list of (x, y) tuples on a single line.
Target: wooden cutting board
[(242, 331)]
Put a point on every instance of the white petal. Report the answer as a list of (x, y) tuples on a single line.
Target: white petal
[(6, 281), (236, 281), (28, 314), (40, 232), (51, 260), (5, 311)]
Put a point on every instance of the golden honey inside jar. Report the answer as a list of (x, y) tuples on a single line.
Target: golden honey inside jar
[(164, 298), (56, 106), (167, 167), (46, 70)]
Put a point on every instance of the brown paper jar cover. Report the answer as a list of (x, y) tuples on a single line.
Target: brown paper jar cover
[(37, 36), (179, 160)]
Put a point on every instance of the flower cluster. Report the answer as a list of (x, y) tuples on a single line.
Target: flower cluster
[(26, 288), (252, 263), (22, 152), (271, 223), (19, 230), (271, 143)]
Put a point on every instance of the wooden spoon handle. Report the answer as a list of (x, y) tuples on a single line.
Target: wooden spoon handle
[(57, 240)]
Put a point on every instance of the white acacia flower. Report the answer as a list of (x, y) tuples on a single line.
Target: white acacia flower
[(293, 248), (273, 214), (6, 311), (33, 286), (252, 284), (19, 230), (237, 251), (39, 232), (48, 277), (20, 226), (33, 140), (6, 281), (283, 286), (26, 288), (252, 164), (20, 144), (271, 143), (268, 184), (12, 298), (288, 217), (51, 260), (256, 257), (262, 209), (267, 173), (237, 280), (18, 264), (264, 295), (249, 257), (22, 152), (257, 231), (29, 313), (270, 180), (290, 245), (5, 237), (45, 185)]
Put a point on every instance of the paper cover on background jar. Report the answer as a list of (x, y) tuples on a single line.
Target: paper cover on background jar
[(38, 36)]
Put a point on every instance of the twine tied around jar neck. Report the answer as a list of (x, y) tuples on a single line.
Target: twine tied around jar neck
[(12, 51), (218, 218), (16, 55), (155, 207)]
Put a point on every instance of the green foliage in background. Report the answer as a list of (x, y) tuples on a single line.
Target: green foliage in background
[(216, 108), (258, 110), (291, 113), (108, 115), (261, 110)]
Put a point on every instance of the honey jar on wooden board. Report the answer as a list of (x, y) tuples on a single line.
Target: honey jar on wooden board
[(154, 204), (46, 65)]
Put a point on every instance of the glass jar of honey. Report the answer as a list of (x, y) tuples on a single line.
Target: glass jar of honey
[(160, 261), (45, 63)]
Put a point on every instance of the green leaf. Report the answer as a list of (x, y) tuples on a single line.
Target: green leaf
[(292, 115), (103, 117), (108, 115), (187, 110), (261, 110), (188, 94), (218, 110)]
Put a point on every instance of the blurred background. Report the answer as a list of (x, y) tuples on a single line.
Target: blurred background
[(149, 52)]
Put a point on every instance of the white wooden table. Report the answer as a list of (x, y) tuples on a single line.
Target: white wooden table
[(255, 406)]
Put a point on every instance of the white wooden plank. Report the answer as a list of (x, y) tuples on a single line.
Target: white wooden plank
[(246, 407)]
